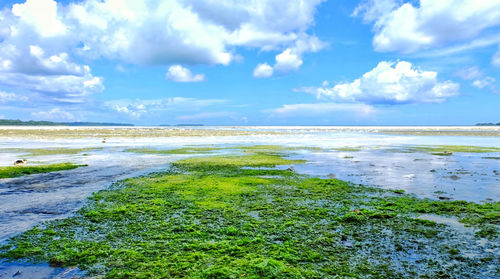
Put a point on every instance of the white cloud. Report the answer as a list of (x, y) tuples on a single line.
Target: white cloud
[(408, 28), (6, 97), (178, 73), (470, 73), (56, 88), (320, 109), (33, 60), (481, 42), (482, 83), (496, 58), (290, 59), (477, 77), (137, 108), (33, 54), (287, 61), (53, 114), (263, 70), (389, 83), (130, 109), (42, 41), (187, 32), (42, 15)]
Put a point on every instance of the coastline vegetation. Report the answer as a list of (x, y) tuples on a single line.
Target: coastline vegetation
[(237, 217), (17, 171), (12, 122)]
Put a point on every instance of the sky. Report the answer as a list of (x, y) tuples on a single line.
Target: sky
[(255, 62)]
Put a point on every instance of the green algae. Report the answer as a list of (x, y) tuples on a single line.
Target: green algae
[(457, 149), (347, 148), (442, 150), (212, 149), (185, 150), (250, 160), (212, 217), (492, 158), (16, 171)]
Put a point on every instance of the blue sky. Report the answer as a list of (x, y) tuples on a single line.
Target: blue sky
[(261, 62)]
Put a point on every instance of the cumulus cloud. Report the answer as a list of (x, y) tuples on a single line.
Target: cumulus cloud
[(42, 41), (137, 108), (41, 15), (290, 59), (389, 83), (178, 73), (408, 27), (187, 32), (34, 57), (287, 61), (53, 114), (320, 108), (263, 70), (56, 88)]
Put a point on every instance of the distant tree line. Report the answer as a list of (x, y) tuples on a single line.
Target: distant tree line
[(10, 122), (488, 124)]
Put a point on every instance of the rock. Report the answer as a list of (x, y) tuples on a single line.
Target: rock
[(20, 162), (331, 176), (454, 177), (291, 169), (444, 198)]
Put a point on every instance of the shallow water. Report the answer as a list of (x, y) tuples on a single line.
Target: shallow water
[(28, 200), (461, 176)]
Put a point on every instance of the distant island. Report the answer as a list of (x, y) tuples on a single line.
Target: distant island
[(488, 124), (10, 122), (168, 125)]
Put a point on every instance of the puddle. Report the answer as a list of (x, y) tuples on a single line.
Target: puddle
[(462, 176), (39, 271), (452, 222)]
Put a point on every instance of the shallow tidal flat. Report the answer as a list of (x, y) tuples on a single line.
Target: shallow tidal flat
[(119, 132), (242, 215), (278, 202)]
